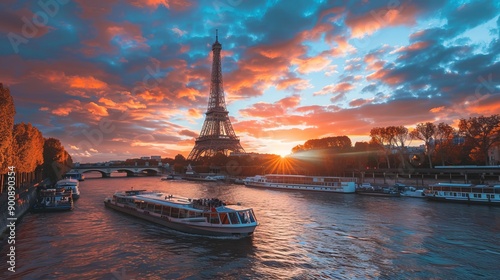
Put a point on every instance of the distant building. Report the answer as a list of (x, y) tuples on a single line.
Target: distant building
[(145, 158), (158, 158)]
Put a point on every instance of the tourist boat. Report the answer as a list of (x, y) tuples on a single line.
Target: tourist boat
[(464, 193), (74, 175), (368, 189), (302, 182), (53, 200), (198, 216), (70, 184)]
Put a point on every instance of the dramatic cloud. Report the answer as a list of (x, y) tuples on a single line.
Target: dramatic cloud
[(120, 79)]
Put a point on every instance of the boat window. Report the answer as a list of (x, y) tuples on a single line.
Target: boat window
[(150, 207), (234, 218), (244, 217), (214, 218), (193, 214), (166, 210), (182, 213), (224, 218), (252, 217), (175, 212), (158, 209)]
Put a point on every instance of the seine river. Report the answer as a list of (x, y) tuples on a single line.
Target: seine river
[(301, 236)]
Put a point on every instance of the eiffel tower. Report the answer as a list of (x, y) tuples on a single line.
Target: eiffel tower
[(217, 134)]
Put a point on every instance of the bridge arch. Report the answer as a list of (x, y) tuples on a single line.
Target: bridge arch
[(104, 174)]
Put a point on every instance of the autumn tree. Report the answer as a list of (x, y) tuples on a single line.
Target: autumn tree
[(7, 112), (443, 142), (482, 133), (425, 132), (56, 160), (28, 146)]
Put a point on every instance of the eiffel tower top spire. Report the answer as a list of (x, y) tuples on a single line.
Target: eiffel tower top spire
[(217, 134)]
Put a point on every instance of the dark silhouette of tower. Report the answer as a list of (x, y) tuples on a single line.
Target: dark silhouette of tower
[(217, 134)]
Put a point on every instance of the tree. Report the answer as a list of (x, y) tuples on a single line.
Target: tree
[(28, 146), (482, 133), (56, 161), (444, 142), (382, 139), (425, 132), (7, 112), (399, 135)]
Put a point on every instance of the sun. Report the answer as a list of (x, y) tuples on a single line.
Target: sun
[(283, 154)]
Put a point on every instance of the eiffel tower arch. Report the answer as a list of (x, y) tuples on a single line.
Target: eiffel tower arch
[(217, 134)]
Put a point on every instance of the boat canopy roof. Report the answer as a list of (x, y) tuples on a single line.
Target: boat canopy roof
[(161, 198), (68, 181)]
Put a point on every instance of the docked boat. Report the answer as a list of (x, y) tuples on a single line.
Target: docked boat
[(53, 200), (198, 216), (464, 193), (209, 178), (74, 175), (368, 189), (409, 191), (302, 182), (168, 177), (70, 184)]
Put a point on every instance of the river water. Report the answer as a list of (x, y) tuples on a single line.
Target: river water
[(301, 235)]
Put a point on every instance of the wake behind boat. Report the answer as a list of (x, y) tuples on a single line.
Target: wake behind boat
[(197, 216), (302, 182)]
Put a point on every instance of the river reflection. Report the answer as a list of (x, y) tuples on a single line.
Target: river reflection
[(301, 235)]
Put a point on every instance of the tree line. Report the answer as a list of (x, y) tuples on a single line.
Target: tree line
[(388, 147), (23, 146)]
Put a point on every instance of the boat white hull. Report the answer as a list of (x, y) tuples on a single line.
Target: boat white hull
[(194, 226), (494, 202), (303, 187)]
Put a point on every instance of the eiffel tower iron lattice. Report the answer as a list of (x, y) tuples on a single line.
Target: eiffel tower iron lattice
[(217, 134)]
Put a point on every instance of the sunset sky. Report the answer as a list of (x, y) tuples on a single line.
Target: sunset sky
[(122, 79)]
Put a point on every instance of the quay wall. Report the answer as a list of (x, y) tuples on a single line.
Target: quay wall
[(26, 198)]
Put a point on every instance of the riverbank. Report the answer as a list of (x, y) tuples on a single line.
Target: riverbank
[(25, 197)]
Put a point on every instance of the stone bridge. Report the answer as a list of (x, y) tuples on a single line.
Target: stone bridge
[(131, 171)]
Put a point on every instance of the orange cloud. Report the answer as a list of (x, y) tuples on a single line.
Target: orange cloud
[(338, 88), (85, 82), (96, 109), (311, 64), (437, 109), (296, 84), (190, 93), (369, 23), (170, 4), (386, 77), (290, 102), (195, 113)]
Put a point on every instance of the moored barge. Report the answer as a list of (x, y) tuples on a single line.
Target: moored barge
[(302, 182), (464, 193)]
